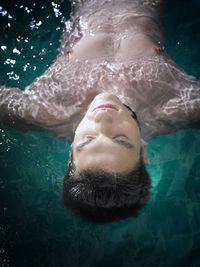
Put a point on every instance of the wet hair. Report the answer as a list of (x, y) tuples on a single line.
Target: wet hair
[(100, 196)]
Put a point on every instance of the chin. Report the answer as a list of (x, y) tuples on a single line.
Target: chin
[(107, 97)]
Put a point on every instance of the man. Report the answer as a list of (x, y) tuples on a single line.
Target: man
[(111, 54), (106, 178)]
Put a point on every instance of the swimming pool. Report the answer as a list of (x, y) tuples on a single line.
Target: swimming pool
[(35, 228)]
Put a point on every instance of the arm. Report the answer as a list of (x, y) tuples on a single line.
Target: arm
[(184, 110), (173, 102), (46, 104), (23, 110), (15, 109)]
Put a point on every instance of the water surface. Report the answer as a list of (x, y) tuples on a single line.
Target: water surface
[(35, 228)]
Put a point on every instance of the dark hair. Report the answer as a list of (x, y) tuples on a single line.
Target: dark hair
[(100, 196)]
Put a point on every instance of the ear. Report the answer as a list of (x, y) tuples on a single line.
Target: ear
[(70, 156), (144, 154)]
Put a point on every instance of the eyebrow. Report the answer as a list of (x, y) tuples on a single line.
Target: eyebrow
[(121, 142)]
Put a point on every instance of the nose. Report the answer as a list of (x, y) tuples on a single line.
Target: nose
[(104, 121)]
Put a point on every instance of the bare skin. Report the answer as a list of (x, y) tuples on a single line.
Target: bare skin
[(107, 136), (118, 50)]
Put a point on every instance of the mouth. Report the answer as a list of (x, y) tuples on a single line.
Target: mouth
[(105, 106)]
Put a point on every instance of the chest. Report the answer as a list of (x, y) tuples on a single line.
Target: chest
[(123, 47)]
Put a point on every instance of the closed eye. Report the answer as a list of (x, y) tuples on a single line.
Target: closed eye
[(116, 139), (119, 139), (89, 139), (120, 135)]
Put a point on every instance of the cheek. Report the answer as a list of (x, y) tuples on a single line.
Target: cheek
[(82, 124), (131, 127), (134, 135), (84, 127)]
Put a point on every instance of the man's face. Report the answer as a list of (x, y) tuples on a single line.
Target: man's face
[(107, 137)]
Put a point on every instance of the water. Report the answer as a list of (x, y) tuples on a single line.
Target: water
[(35, 228)]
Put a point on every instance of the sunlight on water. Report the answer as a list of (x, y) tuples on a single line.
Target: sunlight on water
[(31, 33)]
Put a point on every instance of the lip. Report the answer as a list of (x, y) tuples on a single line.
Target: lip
[(105, 106)]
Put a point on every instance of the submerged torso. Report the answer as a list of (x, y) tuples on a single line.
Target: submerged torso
[(114, 34), (117, 53), (114, 50)]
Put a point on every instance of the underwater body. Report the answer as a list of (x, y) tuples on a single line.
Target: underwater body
[(36, 229)]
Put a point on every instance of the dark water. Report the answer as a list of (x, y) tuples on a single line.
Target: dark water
[(35, 228)]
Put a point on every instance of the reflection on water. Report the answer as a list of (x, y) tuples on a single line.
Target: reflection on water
[(29, 38), (35, 228)]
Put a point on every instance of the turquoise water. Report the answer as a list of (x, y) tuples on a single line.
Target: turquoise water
[(35, 228)]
